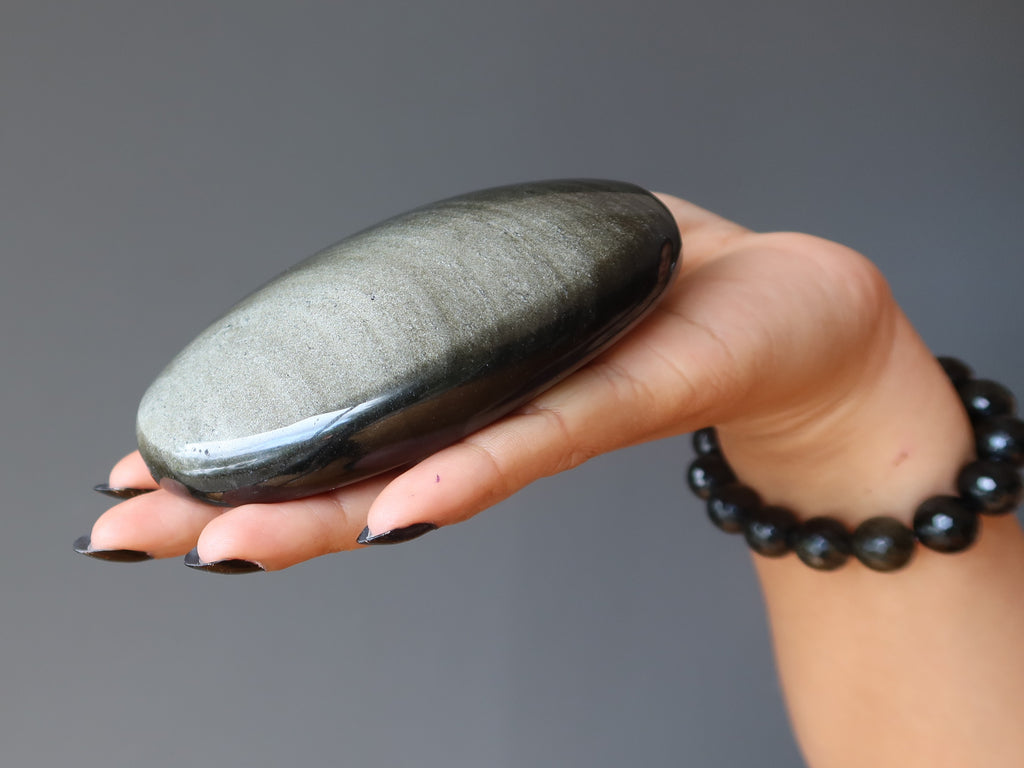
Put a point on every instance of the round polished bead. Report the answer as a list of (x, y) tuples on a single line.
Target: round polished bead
[(984, 399), (709, 472), (990, 487), (1001, 439), (705, 441), (883, 543), (822, 543), (957, 370), (769, 529), (730, 507), (945, 524)]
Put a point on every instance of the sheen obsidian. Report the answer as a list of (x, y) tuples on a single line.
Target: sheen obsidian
[(822, 543), (990, 487), (883, 543), (707, 473), (957, 370), (769, 529), (705, 441), (945, 524), (1000, 439), (730, 507), (404, 338), (984, 399)]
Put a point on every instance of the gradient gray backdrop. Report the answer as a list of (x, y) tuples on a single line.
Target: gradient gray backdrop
[(160, 160)]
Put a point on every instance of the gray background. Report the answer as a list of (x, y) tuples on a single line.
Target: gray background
[(159, 161)]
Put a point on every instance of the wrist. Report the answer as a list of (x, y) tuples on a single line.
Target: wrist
[(878, 441)]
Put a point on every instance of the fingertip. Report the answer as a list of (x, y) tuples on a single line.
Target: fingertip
[(442, 490), (131, 472), (117, 526), (248, 533), (159, 523)]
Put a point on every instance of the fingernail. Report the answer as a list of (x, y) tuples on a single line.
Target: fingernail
[(83, 546), (396, 535), (121, 493), (232, 565)]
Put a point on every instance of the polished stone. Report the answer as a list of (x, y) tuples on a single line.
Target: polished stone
[(990, 487), (707, 473), (732, 506), (946, 524), (705, 441), (822, 543), (405, 337), (769, 531), (883, 544)]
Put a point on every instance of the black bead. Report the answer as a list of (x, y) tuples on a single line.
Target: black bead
[(769, 529), (883, 543), (705, 441), (822, 543), (990, 487), (945, 524), (709, 472), (984, 399), (1001, 438), (957, 370), (731, 506)]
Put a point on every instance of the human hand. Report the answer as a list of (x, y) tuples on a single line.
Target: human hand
[(779, 339)]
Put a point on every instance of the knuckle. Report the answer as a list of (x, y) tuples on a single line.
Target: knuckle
[(497, 474)]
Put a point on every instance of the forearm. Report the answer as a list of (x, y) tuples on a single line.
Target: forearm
[(918, 667)]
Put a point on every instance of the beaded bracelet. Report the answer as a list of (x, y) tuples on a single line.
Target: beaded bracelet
[(990, 485)]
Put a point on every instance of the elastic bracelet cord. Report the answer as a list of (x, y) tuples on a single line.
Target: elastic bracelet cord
[(991, 485)]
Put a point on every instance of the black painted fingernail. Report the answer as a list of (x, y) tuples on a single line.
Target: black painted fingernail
[(232, 565), (121, 493), (83, 546), (396, 535)]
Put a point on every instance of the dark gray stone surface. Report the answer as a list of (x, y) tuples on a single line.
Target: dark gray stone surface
[(404, 337)]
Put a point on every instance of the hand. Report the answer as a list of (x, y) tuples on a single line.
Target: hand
[(825, 400), (770, 336)]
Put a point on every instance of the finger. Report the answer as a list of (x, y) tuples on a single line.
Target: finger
[(131, 472), (279, 535), (160, 524)]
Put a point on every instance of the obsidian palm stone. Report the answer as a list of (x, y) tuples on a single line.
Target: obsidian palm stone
[(404, 338)]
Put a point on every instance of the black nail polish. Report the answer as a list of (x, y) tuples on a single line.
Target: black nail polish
[(83, 546), (231, 565), (396, 535), (121, 493)]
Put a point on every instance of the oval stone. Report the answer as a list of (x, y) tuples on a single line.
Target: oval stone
[(404, 338)]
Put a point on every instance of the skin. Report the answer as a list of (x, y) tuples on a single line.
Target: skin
[(826, 401)]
